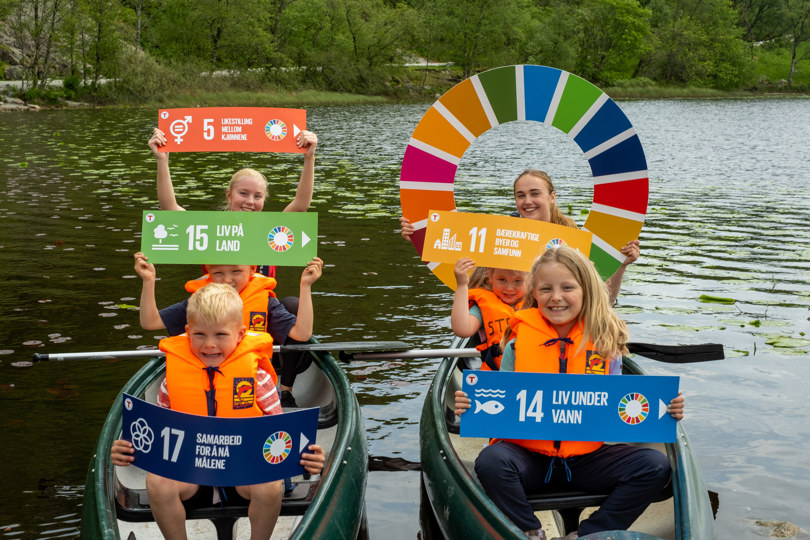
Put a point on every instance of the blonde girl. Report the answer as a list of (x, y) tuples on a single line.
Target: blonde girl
[(567, 326), (484, 303)]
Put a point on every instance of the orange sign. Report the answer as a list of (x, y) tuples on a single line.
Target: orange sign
[(232, 129), (496, 241)]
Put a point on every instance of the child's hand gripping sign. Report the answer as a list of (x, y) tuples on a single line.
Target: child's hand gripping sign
[(213, 451), (232, 129)]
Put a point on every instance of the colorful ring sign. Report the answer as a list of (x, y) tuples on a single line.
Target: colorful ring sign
[(540, 94)]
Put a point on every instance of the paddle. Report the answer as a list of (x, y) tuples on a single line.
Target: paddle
[(388, 350), (674, 354), (678, 354), (151, 353)]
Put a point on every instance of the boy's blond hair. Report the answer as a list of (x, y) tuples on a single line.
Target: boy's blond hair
[(216, 303)]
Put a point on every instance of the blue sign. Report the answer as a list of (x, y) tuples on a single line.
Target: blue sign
[(212, 451), (568, 407)]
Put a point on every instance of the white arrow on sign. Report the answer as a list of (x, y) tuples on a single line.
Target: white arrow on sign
[(296, 130), (304, 239), (662, 408), (304, 443)]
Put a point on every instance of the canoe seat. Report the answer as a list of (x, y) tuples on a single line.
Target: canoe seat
[(132, 505), (570, 504)]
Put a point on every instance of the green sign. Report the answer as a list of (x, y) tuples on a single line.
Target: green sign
[(271, 238)]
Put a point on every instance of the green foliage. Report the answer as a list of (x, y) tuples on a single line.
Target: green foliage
[(697, 43), (615, 35), (48, 96), (156, 49), (142, 76), (476, 34), (773, 63)]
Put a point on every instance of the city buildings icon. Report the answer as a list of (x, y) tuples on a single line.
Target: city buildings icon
[(447, 243)]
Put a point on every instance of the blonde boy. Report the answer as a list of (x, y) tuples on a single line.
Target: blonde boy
[(261, 311), (201, 366)]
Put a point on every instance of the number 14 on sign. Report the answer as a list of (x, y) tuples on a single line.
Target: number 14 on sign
[(535, 409)]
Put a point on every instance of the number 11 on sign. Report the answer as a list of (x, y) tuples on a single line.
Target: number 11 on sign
[(482, 236)]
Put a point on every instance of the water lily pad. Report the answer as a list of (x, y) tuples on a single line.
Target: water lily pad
[(788, 342), (716, 299)]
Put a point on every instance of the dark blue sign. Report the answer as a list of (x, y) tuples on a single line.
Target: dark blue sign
[(213, 451), (567, 407)]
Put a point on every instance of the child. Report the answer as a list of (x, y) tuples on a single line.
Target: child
[(247, 190), (567, 326), (215, 338), (262, 311), (484, 304)]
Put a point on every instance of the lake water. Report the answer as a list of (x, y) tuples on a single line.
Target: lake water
[(728, 217)]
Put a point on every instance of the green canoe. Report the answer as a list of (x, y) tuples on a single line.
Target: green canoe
[(327, 506), (455, 505)]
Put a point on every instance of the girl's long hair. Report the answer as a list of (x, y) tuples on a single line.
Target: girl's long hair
[(600, 324), (557, 217)]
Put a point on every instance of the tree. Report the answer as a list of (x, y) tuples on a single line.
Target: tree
[(217, 33), (101, 37), (35, 25), (797, 20), (696, 42), (346, 45), (478, 34), (761, 19), (615, 35)]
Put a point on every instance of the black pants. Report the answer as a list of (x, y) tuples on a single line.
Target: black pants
[(633, 476)]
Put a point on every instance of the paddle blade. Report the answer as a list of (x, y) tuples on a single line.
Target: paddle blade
[(678, 354)]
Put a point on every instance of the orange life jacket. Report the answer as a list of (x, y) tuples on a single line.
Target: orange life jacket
[(235, 384), (496, 315), (532, 332), (254, 299)]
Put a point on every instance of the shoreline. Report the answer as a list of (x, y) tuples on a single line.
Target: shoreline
[(316, 98)]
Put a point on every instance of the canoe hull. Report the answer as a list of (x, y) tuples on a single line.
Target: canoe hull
[(461, 509)]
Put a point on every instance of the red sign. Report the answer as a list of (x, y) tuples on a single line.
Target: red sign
[(232, 129)]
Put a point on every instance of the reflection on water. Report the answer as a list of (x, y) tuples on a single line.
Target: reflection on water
[(727, 218)]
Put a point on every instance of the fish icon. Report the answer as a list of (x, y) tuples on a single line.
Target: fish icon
[(489, 407)]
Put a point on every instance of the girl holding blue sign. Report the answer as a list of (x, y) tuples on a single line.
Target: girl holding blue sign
[(568, 326)]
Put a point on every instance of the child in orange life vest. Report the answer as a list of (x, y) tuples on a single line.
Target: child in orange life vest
[(484, 303), (215, 337), (262, 311), (247, 189), (567, 326)]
